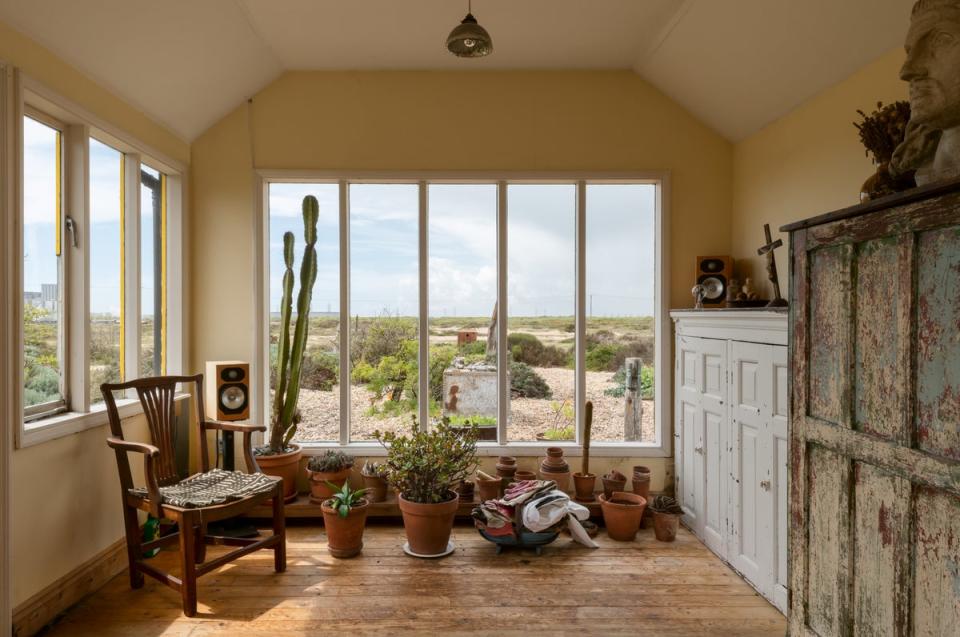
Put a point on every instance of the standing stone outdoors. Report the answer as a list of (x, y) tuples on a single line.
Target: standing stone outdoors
[(633, 400)]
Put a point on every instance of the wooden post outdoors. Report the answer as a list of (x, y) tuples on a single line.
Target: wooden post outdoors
[(632, 399)]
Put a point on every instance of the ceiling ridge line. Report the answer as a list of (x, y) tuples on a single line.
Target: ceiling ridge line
[(663, 35), (248, 18)]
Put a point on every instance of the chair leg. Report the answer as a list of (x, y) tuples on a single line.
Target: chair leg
[(134, 552), (280, 529), (200, 543), (188, 566)]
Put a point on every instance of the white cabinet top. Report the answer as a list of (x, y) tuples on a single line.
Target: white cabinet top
[(752, 326)]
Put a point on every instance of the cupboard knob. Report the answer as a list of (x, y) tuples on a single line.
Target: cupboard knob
[(765, 484)]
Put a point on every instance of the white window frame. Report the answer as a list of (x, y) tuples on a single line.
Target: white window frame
[(659, 447), (31, 96)]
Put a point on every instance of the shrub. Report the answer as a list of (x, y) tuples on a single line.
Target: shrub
[(320, 371), (527, 383), (476, 348), (423, 464), (44, 381), (361, 373), (395, 376), (602, 357), (441, 357), (527, 348), (620, 378), (381, 336)]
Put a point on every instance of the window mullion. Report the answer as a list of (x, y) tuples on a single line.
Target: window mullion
[(77, 266), (423, 319), (130, 277), (503, 361), (345, 415), (580, 323)]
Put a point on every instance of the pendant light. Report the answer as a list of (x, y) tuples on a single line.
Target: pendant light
[(469, 39)]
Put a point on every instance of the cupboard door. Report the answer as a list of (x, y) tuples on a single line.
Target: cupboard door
[(778, 472), (713, 442), (688, 430), (750, 508)]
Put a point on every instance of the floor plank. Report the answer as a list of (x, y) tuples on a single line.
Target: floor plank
[(621, 588)]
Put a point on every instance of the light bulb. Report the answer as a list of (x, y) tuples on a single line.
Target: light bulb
[(469, 43)]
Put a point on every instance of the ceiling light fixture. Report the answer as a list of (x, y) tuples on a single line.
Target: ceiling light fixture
[(468, 39)]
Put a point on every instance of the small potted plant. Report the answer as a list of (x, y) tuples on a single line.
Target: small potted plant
[(584, 481), (422, 466), (281, 457), (613, 481), (328, 473), (666, 517), (344, 517), (374, 476)]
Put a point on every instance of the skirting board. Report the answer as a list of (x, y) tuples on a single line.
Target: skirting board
[(41, 609)]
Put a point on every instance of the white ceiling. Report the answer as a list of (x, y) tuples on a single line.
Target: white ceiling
[(735, 64)]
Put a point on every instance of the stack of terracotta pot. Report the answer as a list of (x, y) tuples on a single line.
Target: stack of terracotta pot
[(555, 468), (506, 468), (641, 481)]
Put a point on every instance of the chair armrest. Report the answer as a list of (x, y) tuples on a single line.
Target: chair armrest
[(232, 426), (149, 453)]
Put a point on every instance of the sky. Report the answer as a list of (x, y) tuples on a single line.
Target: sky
[(40, 258), (462, 248)]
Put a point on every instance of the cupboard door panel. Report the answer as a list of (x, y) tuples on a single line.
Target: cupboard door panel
[(715, 497)]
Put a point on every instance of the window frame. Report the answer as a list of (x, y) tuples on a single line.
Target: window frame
[(660, 447), (32, 98)]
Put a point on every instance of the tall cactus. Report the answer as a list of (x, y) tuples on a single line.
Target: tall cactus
[(290, 353)]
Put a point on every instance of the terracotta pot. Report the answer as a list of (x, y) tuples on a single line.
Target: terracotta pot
[(428, 526), (665, 526), (621, 515), (465, 490), (345, 535), (562, 479), (286, 466), (506, 466), (554, 462), (320, 490), (583, 485), (524, 475), (641, 484), (609, 486), (489, 489), (376, 488)]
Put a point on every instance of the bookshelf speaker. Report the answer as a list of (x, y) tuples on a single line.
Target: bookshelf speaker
[(227, 390), (714, 273)]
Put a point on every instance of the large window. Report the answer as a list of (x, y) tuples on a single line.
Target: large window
[(93, 277), (43, 335), (522, 280)]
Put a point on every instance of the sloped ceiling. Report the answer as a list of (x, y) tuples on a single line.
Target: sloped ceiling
[(735, 64)]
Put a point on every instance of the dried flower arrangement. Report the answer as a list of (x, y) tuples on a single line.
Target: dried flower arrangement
[(881, 132)]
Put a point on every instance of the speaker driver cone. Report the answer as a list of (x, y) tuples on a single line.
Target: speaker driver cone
[(233, 398), (712, 288)]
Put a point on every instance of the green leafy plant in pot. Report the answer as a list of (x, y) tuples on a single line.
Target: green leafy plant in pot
[(344, 518), (423, 466), (328, 473), (280, 457)]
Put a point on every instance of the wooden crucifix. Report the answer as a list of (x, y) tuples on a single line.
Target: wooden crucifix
[(778, 300)]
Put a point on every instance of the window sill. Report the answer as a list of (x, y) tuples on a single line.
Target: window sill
[(71, 422), (522, 449)]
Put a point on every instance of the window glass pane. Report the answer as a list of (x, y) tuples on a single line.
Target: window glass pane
[(106, 266), (384, 305), (463, 296), (319, 401), (42, 274), (621, 282), (541, 285), (151, 267)]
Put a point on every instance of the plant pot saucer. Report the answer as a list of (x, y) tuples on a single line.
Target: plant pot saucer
[(450, 549)]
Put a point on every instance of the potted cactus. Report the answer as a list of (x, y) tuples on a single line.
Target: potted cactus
[(328, 473), (666, 517), (374, 476), (280, 456)]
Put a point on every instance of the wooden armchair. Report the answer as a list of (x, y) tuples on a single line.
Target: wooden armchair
[(156, 396)]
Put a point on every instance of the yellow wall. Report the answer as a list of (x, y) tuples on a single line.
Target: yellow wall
[(807, 163), (65, 495)]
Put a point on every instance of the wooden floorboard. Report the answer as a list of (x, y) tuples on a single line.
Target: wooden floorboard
[(640, 587)]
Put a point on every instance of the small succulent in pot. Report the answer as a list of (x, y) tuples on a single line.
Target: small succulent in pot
[(333, 467), (344, 518), (374, 476), (666, 517)]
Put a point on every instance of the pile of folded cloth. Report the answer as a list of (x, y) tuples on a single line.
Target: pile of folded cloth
[(543, 509)]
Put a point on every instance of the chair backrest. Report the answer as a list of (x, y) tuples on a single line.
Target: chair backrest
[(156, 396)]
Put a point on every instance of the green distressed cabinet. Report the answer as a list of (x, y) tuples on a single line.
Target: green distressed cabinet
[(875, 418)]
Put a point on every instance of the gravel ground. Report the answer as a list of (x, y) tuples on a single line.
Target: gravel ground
[(528, 416)]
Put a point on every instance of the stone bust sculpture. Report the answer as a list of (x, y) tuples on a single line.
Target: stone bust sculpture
[(932, 143)]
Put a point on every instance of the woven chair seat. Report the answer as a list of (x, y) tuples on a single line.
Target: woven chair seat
[(211, 488)]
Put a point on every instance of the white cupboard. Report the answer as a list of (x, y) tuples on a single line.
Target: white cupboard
[(731, 408)]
